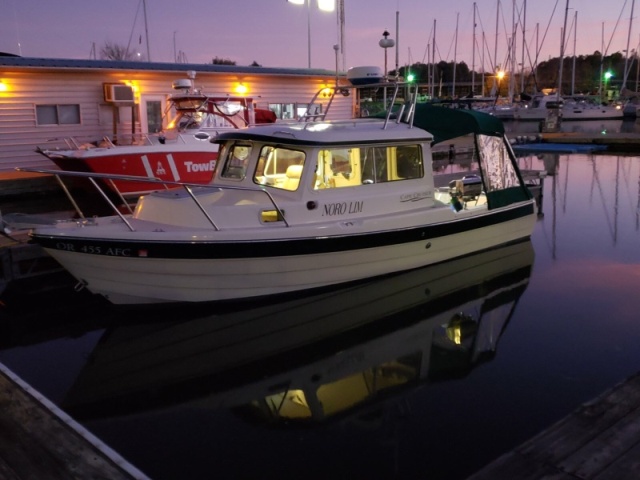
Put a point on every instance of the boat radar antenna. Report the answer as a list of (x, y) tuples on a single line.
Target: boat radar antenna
[(192, 76)]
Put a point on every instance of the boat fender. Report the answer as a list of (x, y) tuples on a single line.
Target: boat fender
[(456, 205)]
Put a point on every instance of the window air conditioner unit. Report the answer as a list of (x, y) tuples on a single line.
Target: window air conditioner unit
[(118, 93)]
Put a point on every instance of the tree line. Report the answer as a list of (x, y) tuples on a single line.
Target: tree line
[(581, 74)]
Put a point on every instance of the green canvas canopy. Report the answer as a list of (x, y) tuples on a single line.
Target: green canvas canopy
[(447, 123)]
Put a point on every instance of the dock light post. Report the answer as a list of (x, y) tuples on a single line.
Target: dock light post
[(607, 76), (499, 75), (323, 5)]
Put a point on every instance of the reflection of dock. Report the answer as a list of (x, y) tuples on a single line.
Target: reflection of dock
[(618, 142), (39, 441), (601, 439)]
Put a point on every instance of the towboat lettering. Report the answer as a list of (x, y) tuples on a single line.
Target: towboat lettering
[(342, 208), (160, 170), (200, 167), (416, 196)]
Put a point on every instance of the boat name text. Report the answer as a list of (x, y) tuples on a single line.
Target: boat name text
[(200, 167), (416, 196), (342, 208), (95, 249)]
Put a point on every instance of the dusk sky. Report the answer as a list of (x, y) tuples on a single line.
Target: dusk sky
[(274, 32)]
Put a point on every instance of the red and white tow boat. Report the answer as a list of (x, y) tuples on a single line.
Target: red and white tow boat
[(181, 153)]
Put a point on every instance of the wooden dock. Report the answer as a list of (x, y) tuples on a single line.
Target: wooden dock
[(39, 441), (598, 441)]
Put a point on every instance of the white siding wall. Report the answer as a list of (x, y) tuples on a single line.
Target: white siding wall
[(27, 87)]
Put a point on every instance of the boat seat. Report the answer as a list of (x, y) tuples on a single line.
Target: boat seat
[(293, 177)]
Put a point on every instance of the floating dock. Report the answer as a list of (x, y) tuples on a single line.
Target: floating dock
[(39, 441), (598, 441), (614, 142)]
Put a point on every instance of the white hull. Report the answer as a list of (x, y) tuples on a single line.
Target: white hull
[(125, 280)]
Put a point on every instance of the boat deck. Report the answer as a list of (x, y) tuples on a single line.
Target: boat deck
[(39, 441), (598, 441)]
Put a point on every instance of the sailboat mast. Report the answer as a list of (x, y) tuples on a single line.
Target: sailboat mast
[(146, 29), (473, 53), (573, 70), (626, 59), (524, 40), (455, 58), (433, 59), (564, 30)]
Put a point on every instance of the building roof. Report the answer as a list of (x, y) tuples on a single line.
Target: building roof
[(67, 63)]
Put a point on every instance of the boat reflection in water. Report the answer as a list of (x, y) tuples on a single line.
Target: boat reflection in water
[(310, 359)]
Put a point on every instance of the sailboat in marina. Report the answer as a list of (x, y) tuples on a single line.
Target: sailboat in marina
[(543, 105)]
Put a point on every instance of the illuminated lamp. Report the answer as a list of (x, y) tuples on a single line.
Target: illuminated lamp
[(241, 89)]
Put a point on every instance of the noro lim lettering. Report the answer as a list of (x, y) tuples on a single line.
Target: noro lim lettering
[(342, 208), (200, 167)]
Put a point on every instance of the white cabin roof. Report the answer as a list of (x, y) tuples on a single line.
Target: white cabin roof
[(332, 133)]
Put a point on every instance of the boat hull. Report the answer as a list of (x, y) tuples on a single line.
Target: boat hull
[(139, 271), (189, 163)]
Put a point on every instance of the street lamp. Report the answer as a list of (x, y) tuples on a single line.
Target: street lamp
[(386, 43), (500, 74), (325, 6)]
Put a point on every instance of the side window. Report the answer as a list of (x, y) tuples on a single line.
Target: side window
[(350, 167), (409, 162), (279, 168), (58, 114), (237, 160)]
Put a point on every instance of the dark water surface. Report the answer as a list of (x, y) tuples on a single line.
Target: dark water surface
[(429, 374)]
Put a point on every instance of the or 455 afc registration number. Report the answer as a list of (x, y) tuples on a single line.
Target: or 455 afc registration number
[(97, 250)]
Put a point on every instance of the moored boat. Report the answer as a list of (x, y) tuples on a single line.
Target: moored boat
[(182, 152), (570, 108), (303, 205)]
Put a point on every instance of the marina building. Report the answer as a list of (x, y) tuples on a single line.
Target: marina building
[(48, 103)]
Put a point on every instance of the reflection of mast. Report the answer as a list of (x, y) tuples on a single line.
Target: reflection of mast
[(638, 206), (596, 180), (616, 203), (554, 216)]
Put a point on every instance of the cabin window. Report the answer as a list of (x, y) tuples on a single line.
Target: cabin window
[(58, 114), (237, 159), (154, 116), (292, 111), (279, 167), (349, 167)]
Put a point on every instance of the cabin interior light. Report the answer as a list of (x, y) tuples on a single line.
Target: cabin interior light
[(241, 89)]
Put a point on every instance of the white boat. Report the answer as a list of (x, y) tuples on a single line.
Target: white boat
[(570, 108), (182, 152), (303, 205)]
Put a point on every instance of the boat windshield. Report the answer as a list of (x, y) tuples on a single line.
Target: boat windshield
[(236, 161), (279, 167), (186, 121)]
